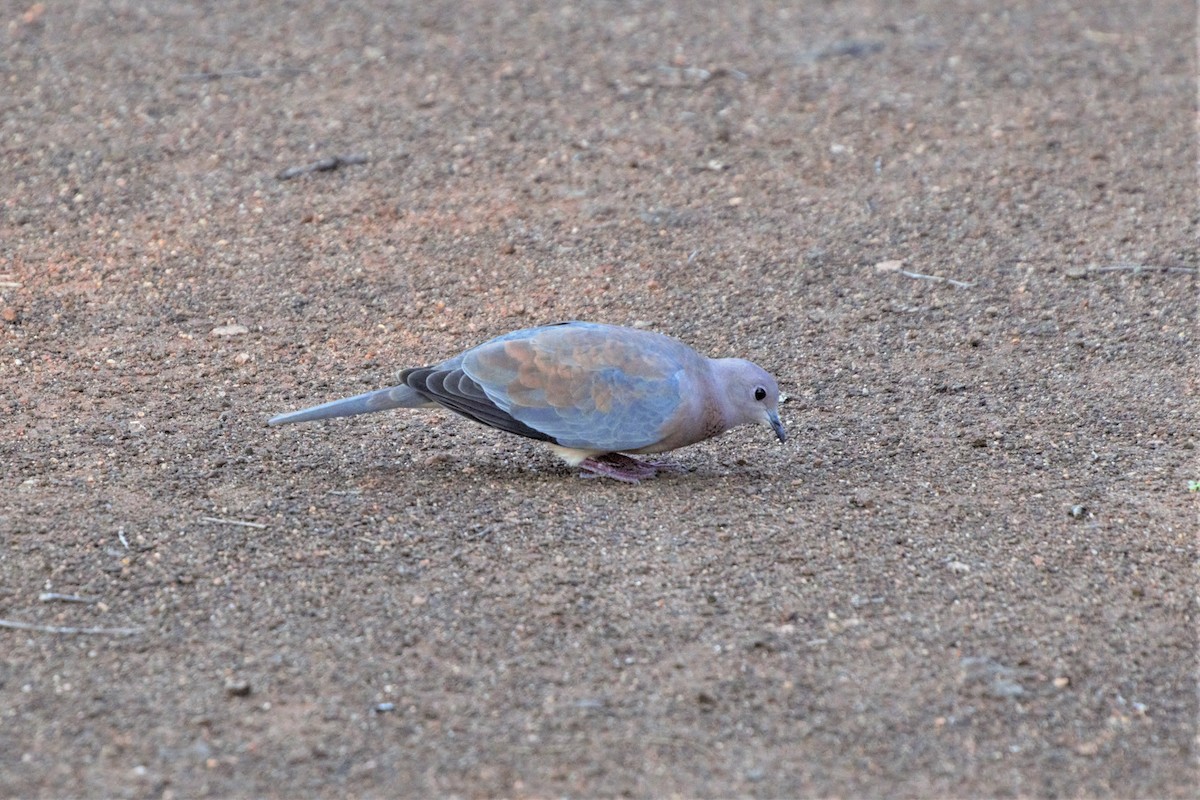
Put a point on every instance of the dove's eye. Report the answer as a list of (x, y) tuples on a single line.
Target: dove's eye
[(760, 393)]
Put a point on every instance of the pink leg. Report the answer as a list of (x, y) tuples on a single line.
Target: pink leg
[(623, 468)]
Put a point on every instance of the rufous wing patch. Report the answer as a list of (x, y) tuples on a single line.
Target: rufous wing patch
[(566, 375)]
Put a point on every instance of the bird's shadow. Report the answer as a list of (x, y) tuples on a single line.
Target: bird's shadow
[(540, 471)]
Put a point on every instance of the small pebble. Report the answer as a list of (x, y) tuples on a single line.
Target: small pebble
[(862, 498)]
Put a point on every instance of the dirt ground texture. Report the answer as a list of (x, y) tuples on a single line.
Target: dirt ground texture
[(971, 571)]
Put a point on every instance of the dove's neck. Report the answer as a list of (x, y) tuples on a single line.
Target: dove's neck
[(724, 376)]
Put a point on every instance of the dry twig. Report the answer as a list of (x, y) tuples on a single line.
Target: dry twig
[(67, 629), (1136, 268), (252, 72), (324, 165), (242, 523), (46, 597), (938, 278)]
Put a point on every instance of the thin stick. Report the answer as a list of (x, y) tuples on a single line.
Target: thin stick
[(242, 523), (482, 532), (9, 285), (46, 597), (938, 278), (252, 72), (1144, 268), (26, 626), (324, 165)]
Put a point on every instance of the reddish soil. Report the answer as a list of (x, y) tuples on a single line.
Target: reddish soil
[(971, 571)]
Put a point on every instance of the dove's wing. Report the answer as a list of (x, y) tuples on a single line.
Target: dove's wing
[(580, 385)]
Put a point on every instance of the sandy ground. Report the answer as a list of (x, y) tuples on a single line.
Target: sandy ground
[(971, 571)]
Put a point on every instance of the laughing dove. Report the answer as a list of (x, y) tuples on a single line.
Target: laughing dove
[(591, 391)]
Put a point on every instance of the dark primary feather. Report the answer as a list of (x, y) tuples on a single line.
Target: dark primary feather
[(453, 389)]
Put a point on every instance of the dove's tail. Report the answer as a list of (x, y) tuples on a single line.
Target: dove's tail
[(380, 400)]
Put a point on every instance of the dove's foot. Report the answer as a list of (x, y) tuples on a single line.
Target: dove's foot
[(624, 468)]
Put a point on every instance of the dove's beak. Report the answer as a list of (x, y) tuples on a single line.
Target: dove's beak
[(773, 419)]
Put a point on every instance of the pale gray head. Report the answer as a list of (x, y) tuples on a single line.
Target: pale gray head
[(751, 394)]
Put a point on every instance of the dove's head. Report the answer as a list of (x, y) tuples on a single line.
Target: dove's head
[(751, 394)]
